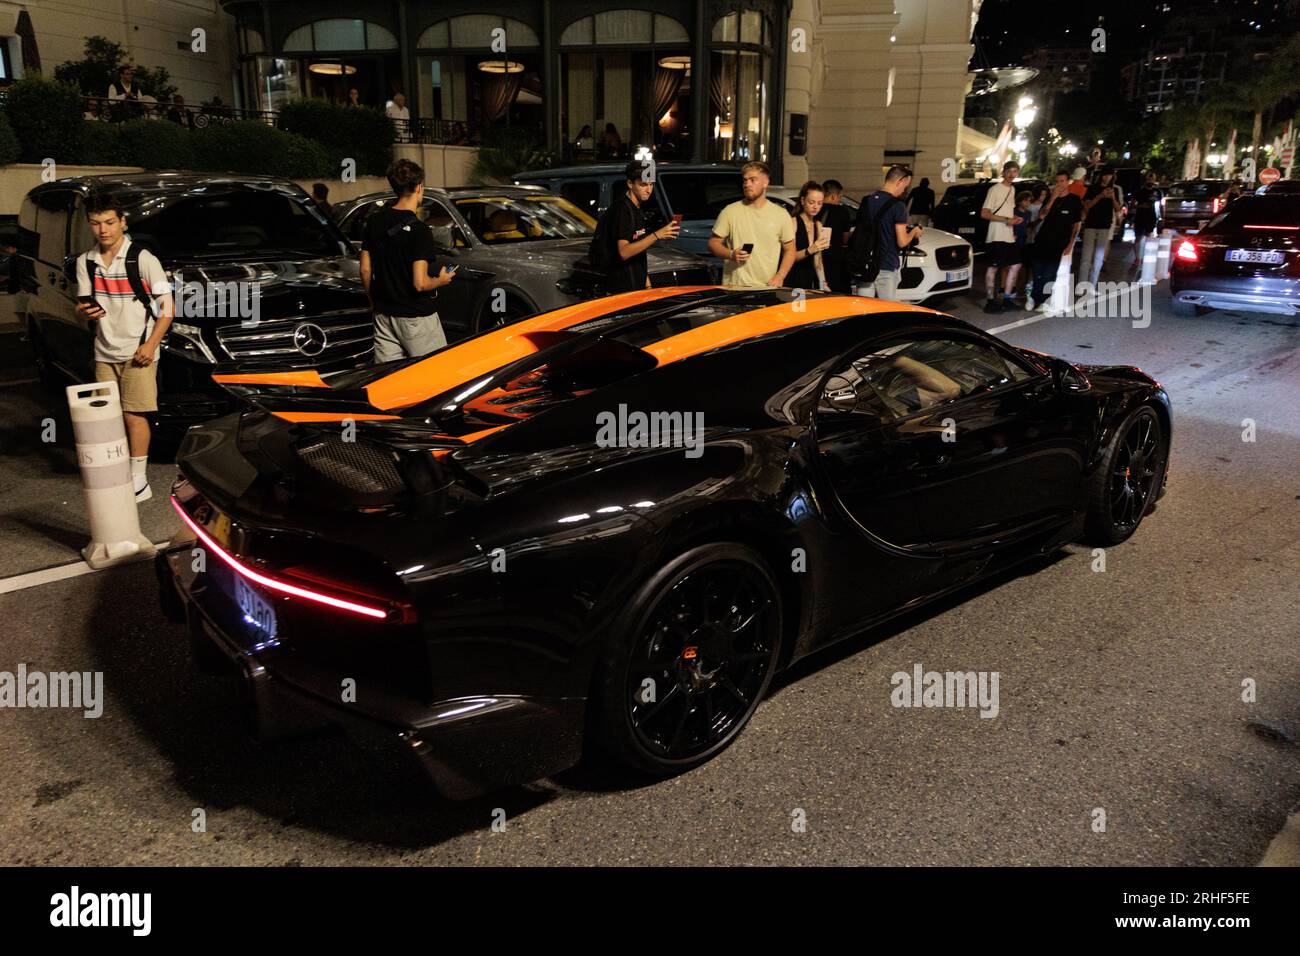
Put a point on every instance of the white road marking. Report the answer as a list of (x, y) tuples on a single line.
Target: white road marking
[(62, 572)]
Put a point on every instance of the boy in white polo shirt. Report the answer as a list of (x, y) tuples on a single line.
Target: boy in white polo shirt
[(130, 323)]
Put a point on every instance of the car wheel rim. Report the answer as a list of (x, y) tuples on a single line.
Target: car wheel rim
[(1133, 473), (701, 661)]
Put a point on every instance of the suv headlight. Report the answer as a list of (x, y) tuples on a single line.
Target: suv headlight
[(187, 341)]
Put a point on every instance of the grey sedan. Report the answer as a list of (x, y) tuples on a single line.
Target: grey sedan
[(521, 250)]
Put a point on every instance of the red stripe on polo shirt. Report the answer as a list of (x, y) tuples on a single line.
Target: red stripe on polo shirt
[(114, 285)]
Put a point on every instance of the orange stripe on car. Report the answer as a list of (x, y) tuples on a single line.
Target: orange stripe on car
[(764, 321), (308, 379), (463, 364)]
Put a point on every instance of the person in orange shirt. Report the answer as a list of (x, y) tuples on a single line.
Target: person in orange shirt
[(1078, 186)]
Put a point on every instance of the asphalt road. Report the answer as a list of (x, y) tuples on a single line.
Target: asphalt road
[(1119, 690)]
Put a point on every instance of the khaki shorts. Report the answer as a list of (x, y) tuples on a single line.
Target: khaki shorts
[(136, 384)]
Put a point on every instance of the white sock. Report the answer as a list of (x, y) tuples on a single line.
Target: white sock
[(138, 476)]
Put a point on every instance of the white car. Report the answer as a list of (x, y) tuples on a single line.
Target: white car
[(939, 264)]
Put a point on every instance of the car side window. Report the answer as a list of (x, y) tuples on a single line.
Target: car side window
[(911, 375), (356, 226), (445, 231), (583, 193)]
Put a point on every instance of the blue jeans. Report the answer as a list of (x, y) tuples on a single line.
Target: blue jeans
[(1045, 267)]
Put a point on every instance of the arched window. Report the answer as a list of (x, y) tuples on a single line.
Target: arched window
[(339, 35), (479, 71), (740, 87), (625, 79)]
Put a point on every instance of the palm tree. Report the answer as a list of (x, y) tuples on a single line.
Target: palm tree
[(1266, 89)]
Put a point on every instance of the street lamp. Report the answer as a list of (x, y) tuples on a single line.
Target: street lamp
[(1026, 113)]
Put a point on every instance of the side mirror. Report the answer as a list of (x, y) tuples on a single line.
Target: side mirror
[(1067, 378)]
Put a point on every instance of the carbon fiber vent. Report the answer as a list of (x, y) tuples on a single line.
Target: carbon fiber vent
[(357, 466)]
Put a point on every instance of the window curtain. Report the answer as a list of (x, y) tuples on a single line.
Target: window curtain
[(499, 92), (666, 85)]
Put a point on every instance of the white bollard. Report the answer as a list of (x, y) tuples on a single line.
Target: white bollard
[(105, 460), (1059, 303), (1150, 254), (1162, 257)]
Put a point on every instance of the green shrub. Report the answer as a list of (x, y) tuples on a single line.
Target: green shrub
[(46, 117), (97, 68), (250, 146), (365, 135), (9, 147), (506, 151), (101, 144), (154, 144)]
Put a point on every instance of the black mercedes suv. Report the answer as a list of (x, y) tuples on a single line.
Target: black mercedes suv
[(219, 239)]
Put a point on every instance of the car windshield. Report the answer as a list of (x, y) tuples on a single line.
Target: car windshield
[(232, 223), (1201, 190), (497, 220)]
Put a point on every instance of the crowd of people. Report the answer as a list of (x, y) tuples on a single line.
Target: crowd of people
[(762, 245)]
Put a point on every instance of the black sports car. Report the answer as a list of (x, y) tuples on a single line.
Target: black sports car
[(608, 526)]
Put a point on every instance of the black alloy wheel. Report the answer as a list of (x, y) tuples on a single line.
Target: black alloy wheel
[(1128, 481), (689, 672)]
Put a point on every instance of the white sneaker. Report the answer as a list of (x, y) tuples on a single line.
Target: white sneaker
[(143, 494), (1029, 303)]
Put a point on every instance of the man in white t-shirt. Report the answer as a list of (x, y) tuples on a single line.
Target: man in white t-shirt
[(400, 115), (1000, 247), (127, 331)]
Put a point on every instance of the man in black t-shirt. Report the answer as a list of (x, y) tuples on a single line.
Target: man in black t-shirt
[(1058, 227), (1102, 204), (920, 204), (395, 254), (836, 217), (625, 234)]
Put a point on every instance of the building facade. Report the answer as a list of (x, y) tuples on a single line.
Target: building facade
[(816, 88)]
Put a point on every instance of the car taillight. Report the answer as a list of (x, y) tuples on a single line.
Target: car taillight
[(373, 611), (1217, 204), (1187, 251)]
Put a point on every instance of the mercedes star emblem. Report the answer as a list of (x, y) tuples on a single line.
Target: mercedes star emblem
[(309, 339)]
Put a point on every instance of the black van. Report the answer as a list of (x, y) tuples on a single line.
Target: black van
[(261, 231)]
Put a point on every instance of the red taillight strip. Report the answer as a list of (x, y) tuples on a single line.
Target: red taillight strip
[(363, 609)]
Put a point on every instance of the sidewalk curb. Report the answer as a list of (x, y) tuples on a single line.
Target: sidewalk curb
[(1285, 848)]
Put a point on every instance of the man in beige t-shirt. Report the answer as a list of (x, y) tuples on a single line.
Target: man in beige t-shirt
[(763, 226)]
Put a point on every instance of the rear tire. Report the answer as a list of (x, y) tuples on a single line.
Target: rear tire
[(690, 660), (1128, 480)]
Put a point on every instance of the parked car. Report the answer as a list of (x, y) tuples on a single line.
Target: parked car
[(530, 244), (1280, 187), (1192, 203), (958, 212), (574, 535), (695, 191), (312, 311), (1247, 257)]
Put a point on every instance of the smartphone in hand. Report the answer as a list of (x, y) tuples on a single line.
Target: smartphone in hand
[(747, 247)]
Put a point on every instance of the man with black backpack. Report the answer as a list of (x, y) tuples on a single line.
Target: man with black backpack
[(395, 255), (618, 249), (123, 289), (880, 233)]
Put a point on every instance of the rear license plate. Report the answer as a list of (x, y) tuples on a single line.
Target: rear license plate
[(1270, 257), (257, 611), (967, 230), (961, 276)]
